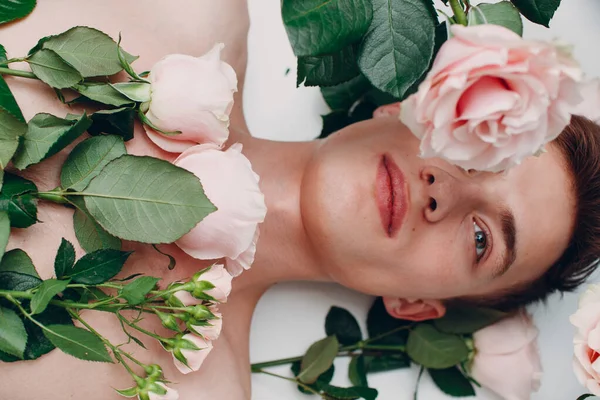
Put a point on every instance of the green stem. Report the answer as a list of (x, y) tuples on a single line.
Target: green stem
[(55, 196), (458, 11), (304, 386), (16, 72), (12, 60), (115, 350), (140, 329)]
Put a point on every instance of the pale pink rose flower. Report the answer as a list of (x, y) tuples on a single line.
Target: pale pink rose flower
[(232, 186), (171, 394), (590, 108), (193, 95), (219, 277), (492, 98), (213, 331), (194, 358), (507, 359), (586, 361)]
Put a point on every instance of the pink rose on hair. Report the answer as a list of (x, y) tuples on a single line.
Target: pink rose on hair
[(193, 95), (193, 350), (232, 186), (507, 360), (586, 362), (219, 277), (492, 98)]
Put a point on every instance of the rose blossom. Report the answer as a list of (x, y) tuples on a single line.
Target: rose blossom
[(193, 95), (492, 98), (212, 331), (219, 277), (171, 394), (586, 362), (507, 360), (232, 186), (194, 358)]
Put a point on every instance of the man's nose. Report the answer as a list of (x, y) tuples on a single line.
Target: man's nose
[(447, 194)]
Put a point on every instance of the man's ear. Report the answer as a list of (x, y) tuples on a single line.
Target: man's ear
[(387, 110), (414, 309)]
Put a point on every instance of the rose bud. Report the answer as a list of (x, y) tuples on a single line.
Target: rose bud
[(211, 329), (192, 95), (189, 352), (232, 186), (218, 276)]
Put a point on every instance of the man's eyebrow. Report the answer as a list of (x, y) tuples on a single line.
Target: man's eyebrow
[(509, 232)]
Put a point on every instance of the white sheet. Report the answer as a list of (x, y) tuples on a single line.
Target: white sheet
[(291, 316)]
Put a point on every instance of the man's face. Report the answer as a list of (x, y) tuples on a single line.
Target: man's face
[(428, 229)]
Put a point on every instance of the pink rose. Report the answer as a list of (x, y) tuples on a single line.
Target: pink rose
[(194, 358), (507, 360), (171, 393), (212, 329), (586, 362), (219, 277), (590, 107), (492, 98), (193, 95), (232, 186)]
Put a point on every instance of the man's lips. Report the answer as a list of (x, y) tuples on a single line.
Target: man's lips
[(391, 195)]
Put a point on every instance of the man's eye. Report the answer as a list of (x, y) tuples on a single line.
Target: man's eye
[(480, 241)]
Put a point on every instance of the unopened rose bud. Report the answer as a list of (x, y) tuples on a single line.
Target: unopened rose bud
[(189, 352), (210, 330), (199, 312), (169, 321), (216, 275)]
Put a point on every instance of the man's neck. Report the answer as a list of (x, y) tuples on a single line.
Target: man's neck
[(284, 252)]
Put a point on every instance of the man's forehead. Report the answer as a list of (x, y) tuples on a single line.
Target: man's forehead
[(542, 200)]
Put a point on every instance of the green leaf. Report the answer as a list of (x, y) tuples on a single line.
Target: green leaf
[(13, 336), (53, 70), (47, 135), (15, 9), (87, 160), (4, 232), (585, 396), (341, 323), (337, 120), (357, 371), (16, 260), (2, 54), (136, 91), (10, 280), (323, 379), (103, 93), (380, 322), (8, 102), (502, 13), (37, 343), (538, 11), (119, 121), (452, 382), (343, 96), (16, 199), (90, 235), (77, 342), (434, 349), (467, 319), (99, 266), (398, 47), (351, 393), (318, 359), (47, 290), (329, 69), (387, 362), (11, 129), (325, 26), (65, 259), (136, 291), (162, 202), (88, 50)]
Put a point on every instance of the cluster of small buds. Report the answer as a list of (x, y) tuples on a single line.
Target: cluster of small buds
[(197, 320), (152, 387)]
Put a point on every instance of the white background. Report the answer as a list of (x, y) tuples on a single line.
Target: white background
[(291, 316)]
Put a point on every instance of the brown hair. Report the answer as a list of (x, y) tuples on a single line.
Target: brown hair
[(580, 144)]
